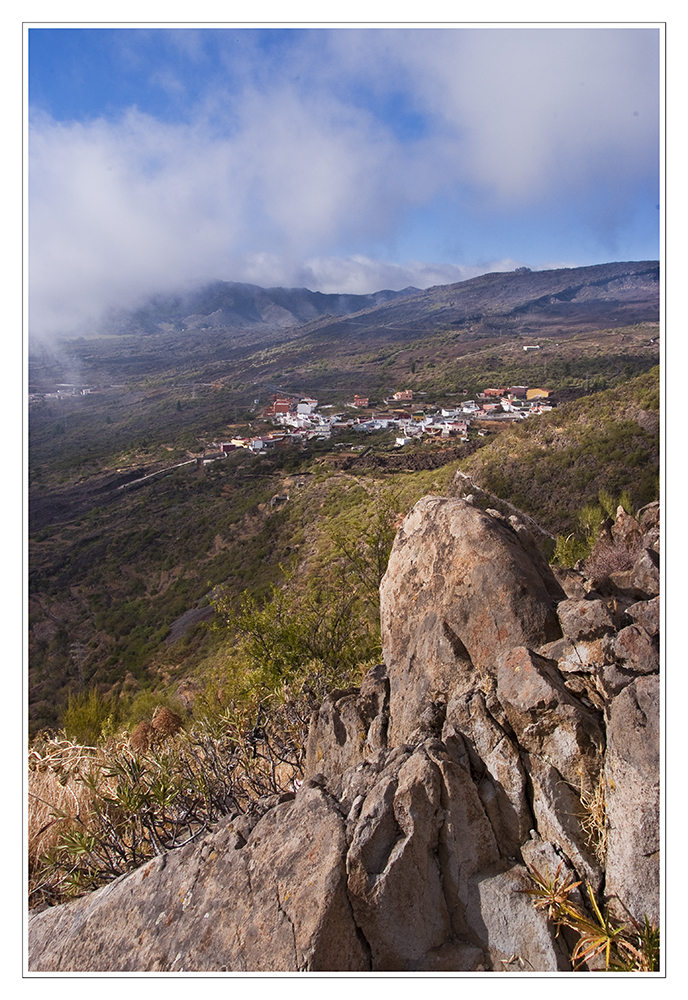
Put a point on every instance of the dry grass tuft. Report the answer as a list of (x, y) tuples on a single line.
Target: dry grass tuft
[(607, 558), (140, 740), (54, 807), (165, 722), (99, 812), (594, 819), (59, 800)]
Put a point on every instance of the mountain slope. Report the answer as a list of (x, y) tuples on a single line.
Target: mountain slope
[(552, 465), (232, 304), (516, 302)]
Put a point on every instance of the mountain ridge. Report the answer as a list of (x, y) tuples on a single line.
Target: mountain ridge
[(511, 302), (226, 304)]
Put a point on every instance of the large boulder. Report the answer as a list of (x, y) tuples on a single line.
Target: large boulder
[(462, 587), (276, 902)]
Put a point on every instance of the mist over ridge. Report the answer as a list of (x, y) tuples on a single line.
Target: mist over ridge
[(238, 306)]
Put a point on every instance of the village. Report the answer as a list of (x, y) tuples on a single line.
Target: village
[(301, 419), (404, 418)]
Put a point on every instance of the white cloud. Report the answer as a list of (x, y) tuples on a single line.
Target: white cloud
[(119, 209), (526, 112), (299, 177), (359, 274)]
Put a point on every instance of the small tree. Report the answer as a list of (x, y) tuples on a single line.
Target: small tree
[(88, 718)]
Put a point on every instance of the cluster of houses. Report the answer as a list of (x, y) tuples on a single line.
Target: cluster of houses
[(300, 419), (61, 392)]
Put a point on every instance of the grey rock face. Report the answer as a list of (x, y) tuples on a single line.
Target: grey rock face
[(626, 530), (501, 778), (547, 720), (349, 725), (580, 657), (632, 794), (642, 581), (584, 619), (516, 936), (646, 613), (636, 650), (571, 582), (394, 878)]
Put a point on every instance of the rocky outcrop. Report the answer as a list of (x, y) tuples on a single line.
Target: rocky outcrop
[(357, 719), (514, 723)]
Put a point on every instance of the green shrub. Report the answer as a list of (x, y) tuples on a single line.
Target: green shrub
[(89, 717), (366, 546), (581, 543), (568, 551), (324, 630)]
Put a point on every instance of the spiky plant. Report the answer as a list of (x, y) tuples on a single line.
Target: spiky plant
[(625, 948), (551, 893), (597, 936)]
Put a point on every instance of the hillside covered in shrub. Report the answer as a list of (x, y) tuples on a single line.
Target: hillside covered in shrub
[(553, 466)]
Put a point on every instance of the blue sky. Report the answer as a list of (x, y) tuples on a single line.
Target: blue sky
[(347, 159)]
